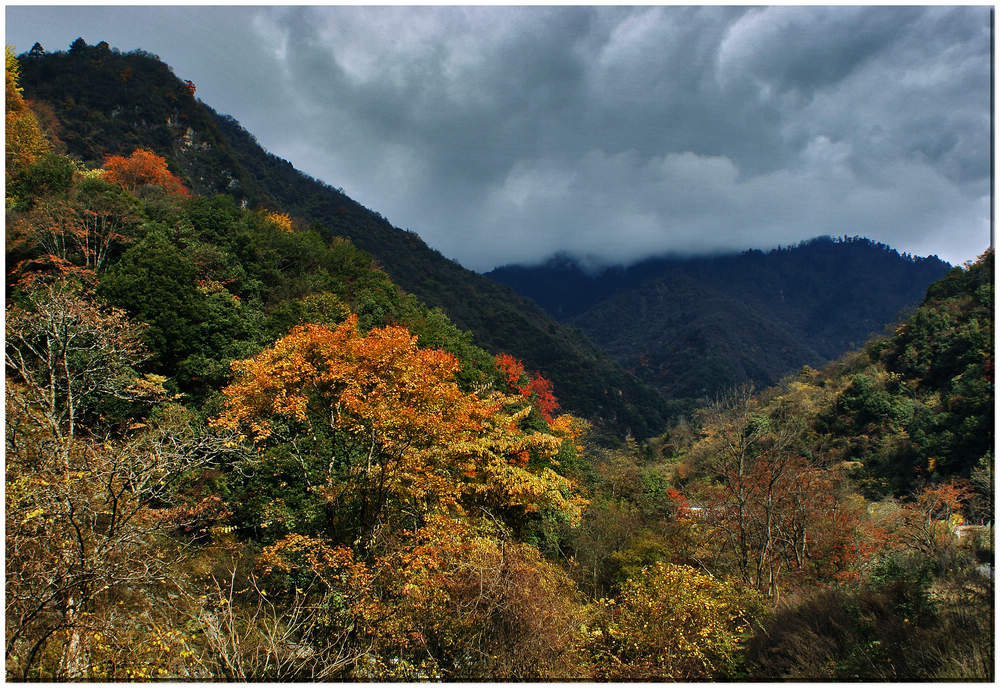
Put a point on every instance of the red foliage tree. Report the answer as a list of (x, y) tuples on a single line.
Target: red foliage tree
[(540, 389), (531, 386), (512, 369), (142, 167)]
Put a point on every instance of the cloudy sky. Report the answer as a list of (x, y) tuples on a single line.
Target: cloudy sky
[(504, 134)]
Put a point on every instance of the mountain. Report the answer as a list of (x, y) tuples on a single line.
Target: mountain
[(694, 326), (98, 101), (690, 340)]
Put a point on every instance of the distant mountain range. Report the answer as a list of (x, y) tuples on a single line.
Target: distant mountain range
[(693, 327)]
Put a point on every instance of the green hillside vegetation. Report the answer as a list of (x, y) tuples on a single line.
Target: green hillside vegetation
[(236, 450), (99, 102), (213, 282)]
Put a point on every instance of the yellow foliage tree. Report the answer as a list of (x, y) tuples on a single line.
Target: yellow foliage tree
[(24, 138), (282, 221), (673, 623), (468, 603)]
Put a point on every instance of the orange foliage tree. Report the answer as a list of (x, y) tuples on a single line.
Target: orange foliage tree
[(142, 167), (405, 440), (418, 482), (926, 524)]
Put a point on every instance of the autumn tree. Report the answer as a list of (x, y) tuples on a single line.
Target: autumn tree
[(925, 524), (301, 611), (142, 167), (67, 353), (984, 488), (84, 545), (24, 139), (282, 221), (108, 218), (81, 527), (388, 471), (468, 602), (73, 235), (673, 623), (398, 436), (531, 386), (772, 510)]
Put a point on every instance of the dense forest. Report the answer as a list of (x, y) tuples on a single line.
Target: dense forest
[(694, 327), (237, 449)]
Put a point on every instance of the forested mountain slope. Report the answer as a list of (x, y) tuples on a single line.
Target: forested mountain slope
[(694, 341), (695, 326), (912, 407), (99, 101)]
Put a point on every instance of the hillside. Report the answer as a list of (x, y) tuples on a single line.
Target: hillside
[(696, 326), (237, 451), (909, 408), (99, 101), (692, 341)]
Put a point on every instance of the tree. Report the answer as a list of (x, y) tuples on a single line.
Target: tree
[(25, 140), (400, 437), (46, 175), (80, 234), (387, 472), (80, 527), (107, 217), (142, 167), (673, 623), (533, 387), (306, 611), (984, 489), (67, 352), (155, 282), (83, 542), (772, 511), (925, 525), (466, 602), (280, 220)]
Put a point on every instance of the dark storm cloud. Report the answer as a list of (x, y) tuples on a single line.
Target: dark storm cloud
[(505, 134)]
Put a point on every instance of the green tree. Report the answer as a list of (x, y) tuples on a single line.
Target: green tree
[(155, 283)]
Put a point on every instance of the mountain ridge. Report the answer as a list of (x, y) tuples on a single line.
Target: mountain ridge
[(781, 309), (107, 102)]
